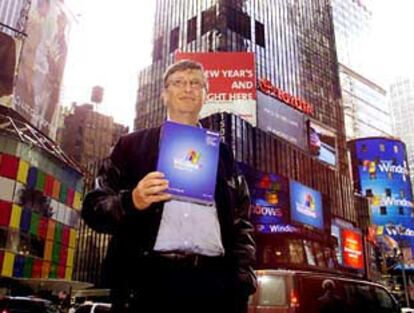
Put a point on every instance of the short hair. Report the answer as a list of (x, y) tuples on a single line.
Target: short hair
[(180, 66), (328, 284)]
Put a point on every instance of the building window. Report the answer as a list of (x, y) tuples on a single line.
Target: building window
[(174, 38), (208, 20), (395, 149), (239, 22), (296, 251), (319, 256), (383, 210), (259, 32), (245, 29), (157, 53), (401, 210), (310, 255), (388, 192), (192, 29)]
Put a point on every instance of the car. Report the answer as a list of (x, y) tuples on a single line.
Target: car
[(93, 307), (292, 291), (26, 305)]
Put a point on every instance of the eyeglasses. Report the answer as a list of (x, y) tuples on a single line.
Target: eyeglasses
[(181, 83)]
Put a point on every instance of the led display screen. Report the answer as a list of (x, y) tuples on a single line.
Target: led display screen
[(306, 205), (269, 195), (380, 165)]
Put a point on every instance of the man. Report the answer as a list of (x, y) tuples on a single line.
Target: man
[(168, 255)]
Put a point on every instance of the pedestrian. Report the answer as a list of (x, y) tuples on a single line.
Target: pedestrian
[(166, 254)]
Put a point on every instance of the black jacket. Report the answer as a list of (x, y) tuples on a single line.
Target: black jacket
[(109, 208)]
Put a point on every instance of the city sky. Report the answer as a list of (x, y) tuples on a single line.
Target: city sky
[(110, 42)]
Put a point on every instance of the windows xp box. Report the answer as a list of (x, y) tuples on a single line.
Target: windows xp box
[(188, 156)]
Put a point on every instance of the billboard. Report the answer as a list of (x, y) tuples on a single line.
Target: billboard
[(269, 195), (8, 60), (277, 118), (232, 82), (352, 249), (43, 58), (306, 205), (13, 16), (322, 143), (381, 173)]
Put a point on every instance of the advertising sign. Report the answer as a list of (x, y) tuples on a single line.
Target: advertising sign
[(43, 58), (381, 167), (352, 249), (281, 120), (306, 205), (232, 82), (8, 60), (299, 104), (269, 194), (322, 143)]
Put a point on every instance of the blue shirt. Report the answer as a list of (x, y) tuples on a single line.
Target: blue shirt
[(190, 228)]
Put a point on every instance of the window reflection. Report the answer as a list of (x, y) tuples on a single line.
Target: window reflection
[(296, 252)]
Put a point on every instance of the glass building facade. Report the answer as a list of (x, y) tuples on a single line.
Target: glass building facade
[(352, 25), (401, 100), (294, 47), (365, 105)]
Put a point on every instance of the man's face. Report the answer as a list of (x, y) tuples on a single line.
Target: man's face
[(185, 93)]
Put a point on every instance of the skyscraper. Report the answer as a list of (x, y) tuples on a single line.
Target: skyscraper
[(365, 105), (295, 57), (88, 135), (401, 98)]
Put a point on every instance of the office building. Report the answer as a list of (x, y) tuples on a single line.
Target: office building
[(88, 135), (401, 100), (365, 106)]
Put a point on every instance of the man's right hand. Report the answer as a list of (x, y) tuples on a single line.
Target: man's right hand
[(149, 190)]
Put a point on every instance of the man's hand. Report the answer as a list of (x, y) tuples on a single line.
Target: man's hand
[(149, 190)]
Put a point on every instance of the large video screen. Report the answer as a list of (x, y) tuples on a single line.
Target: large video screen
[(269, 195), (42, 62), (383, 176), (306, 205), (279, 119), (322, 143)]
